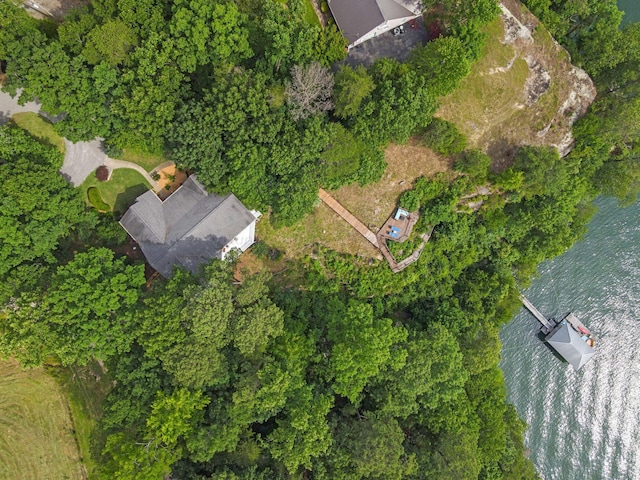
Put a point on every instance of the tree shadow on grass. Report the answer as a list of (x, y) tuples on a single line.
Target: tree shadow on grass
[(125, 199), (502, 152)]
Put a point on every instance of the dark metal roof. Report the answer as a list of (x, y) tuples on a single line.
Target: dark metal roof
[(356, 18), (568, 343), (189, 228)]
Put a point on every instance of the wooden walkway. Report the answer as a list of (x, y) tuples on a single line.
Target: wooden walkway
[(378, 241), (536, 313), (333, 204)]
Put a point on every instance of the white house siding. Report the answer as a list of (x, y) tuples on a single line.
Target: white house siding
[(244, 240)]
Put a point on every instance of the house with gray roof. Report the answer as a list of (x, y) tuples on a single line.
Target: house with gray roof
[(361, 20), (189, 228)]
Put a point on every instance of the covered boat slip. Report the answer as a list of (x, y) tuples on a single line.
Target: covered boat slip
[(568, 336), (571, 339)]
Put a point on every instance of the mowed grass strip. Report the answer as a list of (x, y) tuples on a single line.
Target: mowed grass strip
[(146, 160), (36, 431), (39, 128), (85, 389)]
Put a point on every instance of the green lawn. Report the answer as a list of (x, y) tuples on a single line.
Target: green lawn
[(85, 389), (148, 161), (39, 128), (120, 191), (310, 14), (36, 439)]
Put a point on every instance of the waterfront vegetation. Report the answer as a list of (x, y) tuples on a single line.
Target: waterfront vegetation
[(329, 366)]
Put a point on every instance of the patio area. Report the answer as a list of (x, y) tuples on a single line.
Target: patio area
[(398, 226)]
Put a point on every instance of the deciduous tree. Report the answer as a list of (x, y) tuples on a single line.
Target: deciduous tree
[(310, 90)]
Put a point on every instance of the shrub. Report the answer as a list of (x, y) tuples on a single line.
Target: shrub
[(410, 200), (112, 150), (260, 249), (95, 199), (102, 173), (443, 137), (474, 163)]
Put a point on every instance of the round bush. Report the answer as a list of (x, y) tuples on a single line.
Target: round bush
[(443, 137), (102, 173)]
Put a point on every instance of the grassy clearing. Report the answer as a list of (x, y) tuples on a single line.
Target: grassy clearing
[(517, 94), (310, 14), (321, 226), (37, 440), (492, 93), (371, 204), (39, 128), (148, 161), (85, 388), (374, 203), (120, 191)]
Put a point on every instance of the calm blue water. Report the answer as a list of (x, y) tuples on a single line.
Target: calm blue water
[(631, 8), (584, 425)]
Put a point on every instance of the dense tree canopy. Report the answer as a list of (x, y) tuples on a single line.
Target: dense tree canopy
[(335, 368), (38, 208)]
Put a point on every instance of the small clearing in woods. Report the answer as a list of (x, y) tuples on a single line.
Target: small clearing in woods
[(371, 204), (37, 440), (374, 203), (524, 91)]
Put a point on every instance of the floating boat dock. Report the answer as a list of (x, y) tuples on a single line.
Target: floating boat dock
[(567, 336)]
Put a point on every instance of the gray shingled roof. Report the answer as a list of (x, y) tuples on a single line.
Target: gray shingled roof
[(189, 228), (356, 18), (568, 343)]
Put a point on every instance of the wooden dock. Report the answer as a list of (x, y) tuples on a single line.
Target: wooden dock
[(333, 204), (546, 324)]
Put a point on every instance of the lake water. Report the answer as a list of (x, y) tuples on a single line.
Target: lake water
[(631, 8), (584, 425)]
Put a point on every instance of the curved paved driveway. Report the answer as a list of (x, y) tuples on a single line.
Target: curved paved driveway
[(9, 106), (81, 158)]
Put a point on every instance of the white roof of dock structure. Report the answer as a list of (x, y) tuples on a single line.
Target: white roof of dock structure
[(569, 344)]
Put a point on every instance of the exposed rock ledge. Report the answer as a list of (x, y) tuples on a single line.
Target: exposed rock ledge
[(582, 91), (525, 91)]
